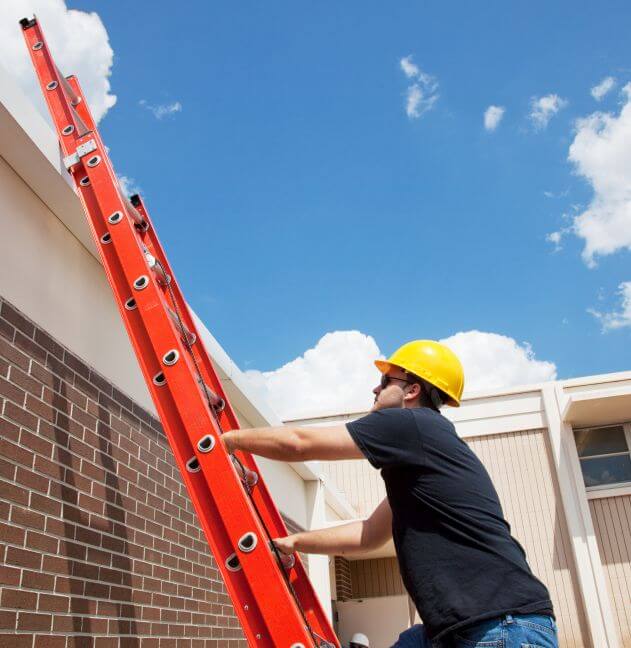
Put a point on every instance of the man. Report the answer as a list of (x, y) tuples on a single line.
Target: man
[(466, 574)]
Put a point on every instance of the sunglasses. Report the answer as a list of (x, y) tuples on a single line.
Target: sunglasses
[(386, 380)]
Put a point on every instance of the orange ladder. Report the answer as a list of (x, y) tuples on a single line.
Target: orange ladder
[(271, 594)]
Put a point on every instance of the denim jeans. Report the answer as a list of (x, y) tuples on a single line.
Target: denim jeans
[(518, 631)]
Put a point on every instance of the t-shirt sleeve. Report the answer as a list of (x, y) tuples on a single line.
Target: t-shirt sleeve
[(388, 438)]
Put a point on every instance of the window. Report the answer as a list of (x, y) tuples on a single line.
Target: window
[(604, 456)]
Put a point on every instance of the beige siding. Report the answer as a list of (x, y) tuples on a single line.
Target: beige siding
[(360, 483), (520, 465), (378, 577), (612, 523)]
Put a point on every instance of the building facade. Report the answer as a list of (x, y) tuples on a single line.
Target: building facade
[(559, 456), (99, 544)]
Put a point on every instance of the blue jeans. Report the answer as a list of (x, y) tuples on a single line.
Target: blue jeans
[(519, 631)]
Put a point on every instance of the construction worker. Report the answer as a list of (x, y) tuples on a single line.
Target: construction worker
[(466, 574), (359, 640)]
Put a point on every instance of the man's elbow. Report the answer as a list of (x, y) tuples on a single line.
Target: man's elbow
[(295, 446)]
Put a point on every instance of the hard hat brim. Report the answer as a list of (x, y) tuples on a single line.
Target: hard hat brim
[(384, 366)]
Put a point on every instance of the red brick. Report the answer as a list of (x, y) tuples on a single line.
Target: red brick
[(16, 318), (26, 517), (16, 640), (23, 558), (37, 580), (49, 641), (7, 470), (20, 416), (6, 330), (53, 603), (12, 392), (32, 480), (18, 599), (45, 376), (47, 467), (59, 368), (8, 620), (41, 542), (9, 575), (9, 430), (36, 443), (44, 340), (13, 355), (13, 493), (29, 346), (31, 621), (41, 409), (25, 381), (56, 564)]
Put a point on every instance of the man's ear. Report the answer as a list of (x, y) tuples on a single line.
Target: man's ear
[(415, 391)]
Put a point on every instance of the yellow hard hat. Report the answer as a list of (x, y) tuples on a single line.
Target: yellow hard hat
[(432, 362)]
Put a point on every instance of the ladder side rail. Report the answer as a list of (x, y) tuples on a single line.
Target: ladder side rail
[(263, 500), (235, 510), (196, 424), (203, 502)]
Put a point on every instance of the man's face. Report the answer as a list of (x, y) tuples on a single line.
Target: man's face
[(392, 390)]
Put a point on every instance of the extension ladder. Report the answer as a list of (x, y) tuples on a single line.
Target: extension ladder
[(271, 594)]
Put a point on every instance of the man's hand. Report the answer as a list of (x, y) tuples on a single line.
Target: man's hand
[(286, 546)]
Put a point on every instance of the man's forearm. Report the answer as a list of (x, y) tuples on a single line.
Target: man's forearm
[(280, 443), (339, 540)]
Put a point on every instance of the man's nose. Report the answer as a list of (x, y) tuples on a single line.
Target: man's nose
[(376, 390)]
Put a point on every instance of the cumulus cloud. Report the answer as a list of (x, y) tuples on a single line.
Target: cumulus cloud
[(162, 110), (493, 361), (600, 90), (543, 109), (492, 117), (78, 42), (601, 153), (619, 318), (337, 375), (422, 91)]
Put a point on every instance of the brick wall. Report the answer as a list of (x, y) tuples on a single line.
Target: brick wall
[(99, 543), (343, 582)]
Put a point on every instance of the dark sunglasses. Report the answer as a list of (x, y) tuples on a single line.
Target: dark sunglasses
[(386, 380)]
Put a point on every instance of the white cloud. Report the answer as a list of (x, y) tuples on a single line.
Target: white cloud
[(560, 194), (542, 109), (600, 90), (410, 69), (338, 375), (162, 110), (78, 42), (493, 361), (492, 117), (601, 153), (421, 94), (128, 185), (620, 318)]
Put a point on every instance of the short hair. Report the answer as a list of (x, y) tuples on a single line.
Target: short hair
[(437, 397)]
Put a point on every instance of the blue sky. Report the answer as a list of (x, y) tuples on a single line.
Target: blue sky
[(295, 196)]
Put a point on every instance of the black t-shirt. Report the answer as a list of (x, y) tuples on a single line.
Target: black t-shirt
[(458, 560)]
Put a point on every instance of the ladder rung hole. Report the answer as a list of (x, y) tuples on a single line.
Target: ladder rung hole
[(142, 227), (68, 129), (130, 304), (159, 379), (38, 45), (232, 563), (94, 160), (220, 406), (52, 85), (247, 542), (85, 181), (206, 443), (106, 238), (192, 465), (297, 645), (170, 357), (141, 283), (116, 217)]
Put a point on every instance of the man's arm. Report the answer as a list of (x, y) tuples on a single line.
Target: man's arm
[(356, 537), (289, 443)]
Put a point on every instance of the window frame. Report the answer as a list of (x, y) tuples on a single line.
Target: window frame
[(606, 490)]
